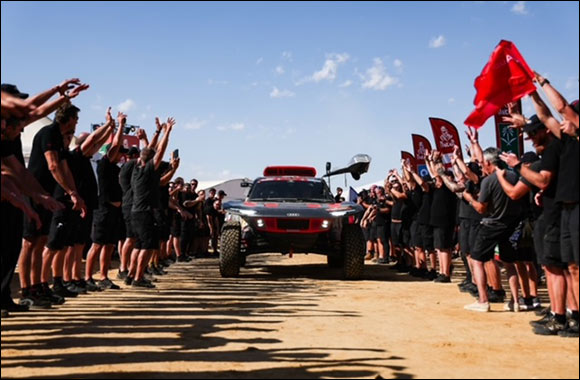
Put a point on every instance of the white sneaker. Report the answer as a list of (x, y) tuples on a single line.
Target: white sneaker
[(478, 306), (512, 306)]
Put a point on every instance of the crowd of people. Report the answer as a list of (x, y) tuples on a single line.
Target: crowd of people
[(523, 218), (498, 211), (59, 207)]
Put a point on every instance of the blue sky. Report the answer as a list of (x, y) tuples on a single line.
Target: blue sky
[(255, 84)]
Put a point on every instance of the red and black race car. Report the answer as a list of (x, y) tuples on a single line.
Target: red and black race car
[(289, 210)]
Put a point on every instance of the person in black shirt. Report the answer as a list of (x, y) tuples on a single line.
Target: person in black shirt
[(127, 251), (338, 197), (106, 225), (47, 164), (145, 183), (502, 216)]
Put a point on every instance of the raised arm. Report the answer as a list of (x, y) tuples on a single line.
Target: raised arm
[(97, 138), (46, 108), (159, 127), (475, 148), (166, 178), (540, 179), (116, 144), (545, 115), (557, 100), (163, 143)]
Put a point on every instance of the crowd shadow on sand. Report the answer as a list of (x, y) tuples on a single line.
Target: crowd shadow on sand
[(191, 318)]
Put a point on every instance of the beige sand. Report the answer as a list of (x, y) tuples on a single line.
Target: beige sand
[(283, 318)]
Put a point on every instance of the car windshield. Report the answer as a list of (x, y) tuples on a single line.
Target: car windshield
[(291, 191)]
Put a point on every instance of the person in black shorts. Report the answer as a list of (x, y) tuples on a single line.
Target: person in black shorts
[(501, 217)]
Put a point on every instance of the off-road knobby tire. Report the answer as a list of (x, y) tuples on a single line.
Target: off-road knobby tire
[(230, 257), (353, 250)]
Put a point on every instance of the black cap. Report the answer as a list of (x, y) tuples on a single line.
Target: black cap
[(13, 90), (529, 157), (475, 168), (534, 126), (133, 151), (221, 192)]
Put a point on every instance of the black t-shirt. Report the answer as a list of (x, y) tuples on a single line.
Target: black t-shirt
[(109, 187), (424, 215), (125, 182), (163, 190), (208, 207), (12, 147), (381, 218), (567, 191), (550, 161), (443, 207), (416, 197), (397, 211), (534, 210), (145, 185), (500, 208), (189, 196), (47, 139), (338, 198), (466, 211)]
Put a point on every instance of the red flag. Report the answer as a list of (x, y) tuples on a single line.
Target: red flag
[(420, 147), (408, 157), (446, 137), (504, 79)]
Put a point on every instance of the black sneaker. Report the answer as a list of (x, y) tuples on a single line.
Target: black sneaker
[(35, 302), (431, 275), (121, 275), (143, 283), (547, 318), (74, 287), (468, 288), (92, 286), (383, 261), (128, 280), (442, 279), (496, 296), (543, 311), (552, 327), (571, 330), (108, 284), (183, 259), (54, 298), (62, 291)]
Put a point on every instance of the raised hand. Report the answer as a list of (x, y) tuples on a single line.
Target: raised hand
[(121, 118), (77, 90), (510, 159), (67, 85), (158, 124), (140, 133), (109, 117), (472, 134), (170, 123), (515, 119)]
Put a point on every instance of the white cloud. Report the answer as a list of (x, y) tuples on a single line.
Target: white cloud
[(195, 124), (451, 100), (437, 42), (398, 63), (259, 60), (279, 70), (287, 55), (377, 78), (232, 127), (571, 83), (345, 84), (126, 106), (329, 69), (519, 8), (281, 93)]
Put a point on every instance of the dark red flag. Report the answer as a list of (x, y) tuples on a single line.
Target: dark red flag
[(408, 157), (504, 79), (446, 137), (420, 147)]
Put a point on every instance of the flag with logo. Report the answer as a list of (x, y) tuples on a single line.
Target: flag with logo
[(504, 79), (508, 139), (420, 147), (446, 137)]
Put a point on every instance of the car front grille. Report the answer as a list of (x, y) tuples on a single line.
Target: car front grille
[(293, 224)]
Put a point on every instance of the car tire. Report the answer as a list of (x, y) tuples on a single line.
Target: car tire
[(353, 250), (230, 257), (335, 261)]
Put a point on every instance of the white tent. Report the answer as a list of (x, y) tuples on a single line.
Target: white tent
[(28, 135), (231, 187)]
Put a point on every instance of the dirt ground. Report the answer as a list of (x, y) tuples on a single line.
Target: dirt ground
[(283, 318)]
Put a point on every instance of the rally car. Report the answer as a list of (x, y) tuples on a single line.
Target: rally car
[(289, 210)]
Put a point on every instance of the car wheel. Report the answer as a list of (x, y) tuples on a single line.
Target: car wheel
[(230, 260)]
